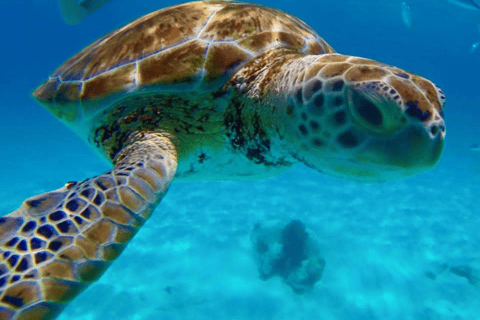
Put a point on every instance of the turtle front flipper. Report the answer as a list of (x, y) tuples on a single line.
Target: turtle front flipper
[(58, 243)]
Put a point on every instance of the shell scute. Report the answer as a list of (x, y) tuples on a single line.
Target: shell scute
[(47, 91), (222, 58), (316, 47), (177, 65), (112, 81), (145, 36), (193, 46), (258, 41), (67, 92)]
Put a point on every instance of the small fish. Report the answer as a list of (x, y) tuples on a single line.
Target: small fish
[(475, 147), (467, 4), (474, 47), (407, 15), (74, 11)]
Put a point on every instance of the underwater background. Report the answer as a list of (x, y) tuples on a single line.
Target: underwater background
[(404, 249)]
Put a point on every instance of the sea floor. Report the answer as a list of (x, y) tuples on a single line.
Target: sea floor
[(390, 248)]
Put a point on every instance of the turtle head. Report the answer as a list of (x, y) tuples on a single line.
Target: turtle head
[(364, 120)]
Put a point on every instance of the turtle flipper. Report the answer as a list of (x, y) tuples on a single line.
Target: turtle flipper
[(58, 243)]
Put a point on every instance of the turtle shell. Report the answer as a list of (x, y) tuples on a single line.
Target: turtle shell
[(188, 47)]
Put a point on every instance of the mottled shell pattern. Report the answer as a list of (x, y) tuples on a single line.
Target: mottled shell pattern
[(196, 46)]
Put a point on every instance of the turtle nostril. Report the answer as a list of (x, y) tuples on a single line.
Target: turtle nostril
[(437, 128)]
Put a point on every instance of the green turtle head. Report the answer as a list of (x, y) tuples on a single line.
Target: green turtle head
[(361, 119)]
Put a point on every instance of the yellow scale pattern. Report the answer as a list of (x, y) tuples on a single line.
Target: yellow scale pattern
[(58, 243)]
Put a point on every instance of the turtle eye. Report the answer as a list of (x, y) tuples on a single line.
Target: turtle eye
[(374, 112), (366, 110)]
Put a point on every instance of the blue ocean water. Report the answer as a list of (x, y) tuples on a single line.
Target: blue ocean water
[(388, 247)]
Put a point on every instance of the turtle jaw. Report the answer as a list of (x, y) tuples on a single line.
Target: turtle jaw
[(408, 152)]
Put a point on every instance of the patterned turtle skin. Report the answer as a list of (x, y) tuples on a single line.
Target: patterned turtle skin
[(203, 90)]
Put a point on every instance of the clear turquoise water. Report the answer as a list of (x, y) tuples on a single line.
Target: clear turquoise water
[(379, 240)]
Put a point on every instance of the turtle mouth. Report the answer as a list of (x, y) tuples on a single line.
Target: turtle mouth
[(406, 153), (411, 150), (374, 112)]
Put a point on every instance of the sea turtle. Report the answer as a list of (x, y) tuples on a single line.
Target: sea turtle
[(203, 90)]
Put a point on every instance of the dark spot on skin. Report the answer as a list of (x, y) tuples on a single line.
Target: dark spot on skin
[(23, 265), (255, 154), (246, 134), (101, 185), (29, 226), (314, 125), (219, 94), (234, 123), (316, 107), (55, 245), (340, 117), (41, 257), (12, 261), (12, 242), (3, 281), (337, 85), (72, 205), (348, 140), (319, 100), (289, 110), (78, 220), (414, 111), (337, 101), (22, 246), (86, 213), (36, 243), (392, 91), (64, 226), (303, 129), (35, 203), (317, 142), (57, 215), (434, 130), (299, 96), (98, 199), (6, 254), (47, 231), (16, 302), (202, 157), (304, 116), (88, 193)]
